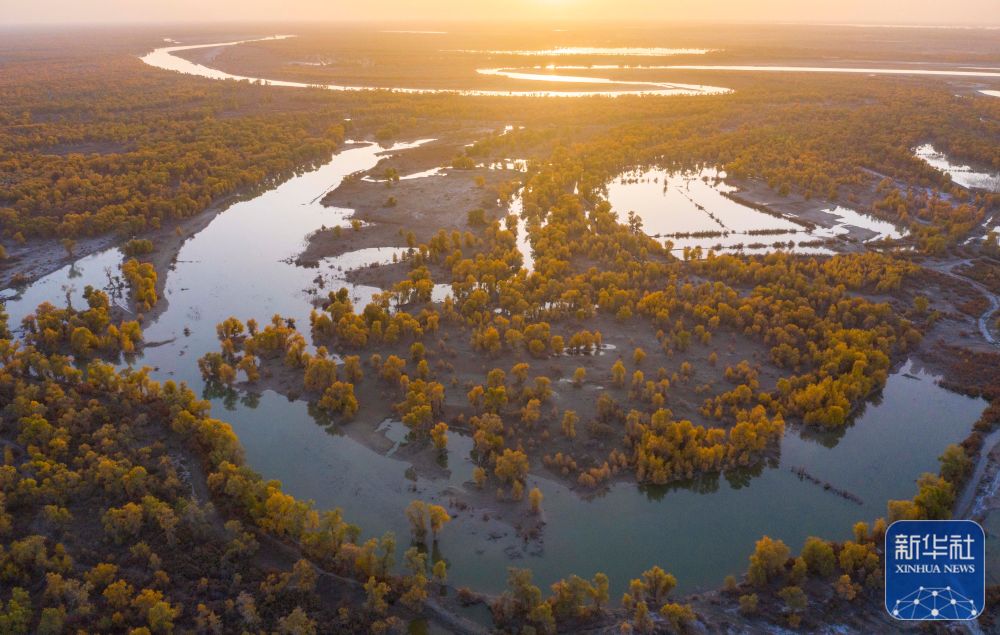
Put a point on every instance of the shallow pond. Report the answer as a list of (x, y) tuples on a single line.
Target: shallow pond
[(692, 209), (851, 218), (961, 174), (240, 264)]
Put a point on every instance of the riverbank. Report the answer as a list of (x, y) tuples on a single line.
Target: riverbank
[(38, 258), (409, 211), (812, 211)]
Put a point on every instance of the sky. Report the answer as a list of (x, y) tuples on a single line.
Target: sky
[(970, 12)]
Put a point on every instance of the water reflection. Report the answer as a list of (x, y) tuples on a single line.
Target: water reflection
[(629, 51), (834, 69), (697, 208), (164, 58), (516, 210), (883, 230), (961, 174), (240, 265), (66, 285), (701, 530)]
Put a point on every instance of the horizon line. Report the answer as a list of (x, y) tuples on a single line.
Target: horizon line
[(630, 21)]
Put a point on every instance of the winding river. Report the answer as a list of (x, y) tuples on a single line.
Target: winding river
[(858, 70), (166, 59), (242, 264)]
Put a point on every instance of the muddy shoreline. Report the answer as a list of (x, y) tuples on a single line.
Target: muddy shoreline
[(409, 211), (39, 258)]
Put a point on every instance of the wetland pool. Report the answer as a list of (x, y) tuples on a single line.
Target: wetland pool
[(696, 208)]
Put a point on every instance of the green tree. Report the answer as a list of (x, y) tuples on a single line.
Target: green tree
[(15, 618)]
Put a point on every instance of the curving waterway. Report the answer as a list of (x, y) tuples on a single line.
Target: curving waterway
[(242, 264), (166, 59), (859, 70)]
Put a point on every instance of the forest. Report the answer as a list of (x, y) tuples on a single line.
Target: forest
[(614, 361), (71, 164)]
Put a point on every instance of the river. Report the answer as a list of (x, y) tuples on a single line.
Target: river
[(242, 265), (164, 58)]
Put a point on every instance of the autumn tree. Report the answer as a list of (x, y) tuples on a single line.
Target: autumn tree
[(439, 435), (749, 603), (795, 602), (511, 466), (767, 561), (569, 422), (417, 514), (535, 498), (819, 557), (955, 464), (658, 584), (618, 373), (438, 517)]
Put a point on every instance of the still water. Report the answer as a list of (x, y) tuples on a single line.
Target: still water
[(241, 264), (961, 174), (692, 210)]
